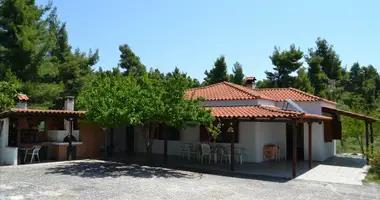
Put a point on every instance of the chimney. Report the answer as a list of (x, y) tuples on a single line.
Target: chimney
[(22, 101), (250, 82), (69, 103)]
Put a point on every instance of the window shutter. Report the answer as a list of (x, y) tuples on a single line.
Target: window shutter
[(203, 134), (328, 131), (337, 129)]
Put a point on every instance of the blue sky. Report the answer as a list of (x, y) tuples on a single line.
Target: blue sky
[(191, 34)]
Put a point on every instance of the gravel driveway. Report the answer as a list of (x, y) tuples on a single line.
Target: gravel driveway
[(91, 179)]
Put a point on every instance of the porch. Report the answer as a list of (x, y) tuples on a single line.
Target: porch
[(338, 169)]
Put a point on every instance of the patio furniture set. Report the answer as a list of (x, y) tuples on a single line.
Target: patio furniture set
[(207, 151)]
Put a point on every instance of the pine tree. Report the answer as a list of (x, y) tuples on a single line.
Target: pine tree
[(285, 62), (237, 75), (317, 77), (129, 61), (23, 37), (218, 73), (331, 63), (302, 81)]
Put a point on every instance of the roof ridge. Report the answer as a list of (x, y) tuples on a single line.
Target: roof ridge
[(234, 86), (311, 95), (248, 91), (204, 87)]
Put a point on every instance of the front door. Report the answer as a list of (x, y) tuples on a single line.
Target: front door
[(130, 139), (300, 141)]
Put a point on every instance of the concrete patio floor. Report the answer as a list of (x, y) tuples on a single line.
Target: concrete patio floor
[(337, 169)]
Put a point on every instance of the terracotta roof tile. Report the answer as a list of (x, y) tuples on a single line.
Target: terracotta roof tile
[(225, 91), (37, 111), (259, 111), (280, 94)]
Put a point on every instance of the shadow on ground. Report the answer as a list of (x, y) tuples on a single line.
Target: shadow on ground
[(345, 161), (114, 169)]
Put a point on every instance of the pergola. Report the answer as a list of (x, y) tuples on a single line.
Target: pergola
[(368, 123), (258, 113)]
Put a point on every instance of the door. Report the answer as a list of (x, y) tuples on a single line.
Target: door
[(300, 141), (130, 139)]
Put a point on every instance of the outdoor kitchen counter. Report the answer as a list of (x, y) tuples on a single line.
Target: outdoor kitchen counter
[(60, 149)]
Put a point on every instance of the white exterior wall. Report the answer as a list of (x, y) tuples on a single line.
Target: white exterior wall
[(268, 133), (59, 135), (253, 136), (8, 155), (188, 135)]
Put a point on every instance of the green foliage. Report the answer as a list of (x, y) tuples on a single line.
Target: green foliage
[(7, 95), (317, 77), (218, 73), (330, 63), (147, 101), (130, 62), (285, 62), (237, 75), (214, 129), (302, 81), (354, 128)]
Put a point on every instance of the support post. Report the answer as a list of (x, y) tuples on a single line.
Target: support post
[(165, 148), (233, 147), (70, 147), (372, 141), (295, 149), (366, 138), (18, 131), (310, 144), (110, 148)]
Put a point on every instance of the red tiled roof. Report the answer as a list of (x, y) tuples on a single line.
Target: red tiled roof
[(22, 97), (280, 94), (37, 111), (225, 91), (259, 111)]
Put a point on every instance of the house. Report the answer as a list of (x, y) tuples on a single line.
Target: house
[(22, 128), (303, 126)]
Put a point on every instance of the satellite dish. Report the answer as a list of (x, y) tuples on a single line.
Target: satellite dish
[(288, 102)]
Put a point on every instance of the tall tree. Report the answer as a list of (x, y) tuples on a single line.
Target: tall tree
[(129, 61), (286, 62), (193, 83), (22, 37), (331, 63), (317, 77), (218, 73), (302, 81), (237, 75), (148, 102)]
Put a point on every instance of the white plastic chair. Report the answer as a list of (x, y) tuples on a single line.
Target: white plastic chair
[(226, 155), (33, 152), (205, 151), (187, 149), (239, 152)]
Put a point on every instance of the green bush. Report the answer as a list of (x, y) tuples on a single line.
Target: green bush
[(375, 162)]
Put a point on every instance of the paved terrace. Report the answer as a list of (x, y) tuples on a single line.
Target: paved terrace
[(93, 179)]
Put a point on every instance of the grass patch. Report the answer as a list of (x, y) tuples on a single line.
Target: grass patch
[(372, 176)]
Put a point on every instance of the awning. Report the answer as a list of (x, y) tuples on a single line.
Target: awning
[(348, 114)]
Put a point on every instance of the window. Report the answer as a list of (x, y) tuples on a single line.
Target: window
[(41, 126), (224, 136), (172, 133)]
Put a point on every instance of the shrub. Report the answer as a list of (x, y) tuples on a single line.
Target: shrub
[(375, 162)]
